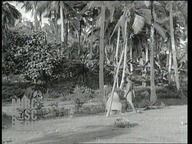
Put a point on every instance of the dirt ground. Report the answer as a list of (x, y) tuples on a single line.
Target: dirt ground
[(160, 125)]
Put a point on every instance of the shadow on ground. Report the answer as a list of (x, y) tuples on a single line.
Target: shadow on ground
[(88, 133)]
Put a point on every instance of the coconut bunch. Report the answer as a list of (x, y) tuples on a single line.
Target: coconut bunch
[(122, 122)]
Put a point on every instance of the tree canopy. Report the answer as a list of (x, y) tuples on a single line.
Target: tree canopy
[(94, 34)]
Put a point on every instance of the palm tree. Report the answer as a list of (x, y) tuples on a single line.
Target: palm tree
[(173, 47), (101, 60), (101, 23), (63, 10), (142, 18), (179, 13), (153, 97), (169, 62)]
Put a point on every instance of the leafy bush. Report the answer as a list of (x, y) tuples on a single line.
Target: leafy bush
[(142, 98), (92, 109), (16, 50), (82, 93), (52, 111), (9, 90), (29, 54), (39, 60)]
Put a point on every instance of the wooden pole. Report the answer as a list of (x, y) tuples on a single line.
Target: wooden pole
[(114, 84)]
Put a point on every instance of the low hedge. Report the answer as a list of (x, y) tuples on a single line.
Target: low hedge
[(55, 111), (92, 109)]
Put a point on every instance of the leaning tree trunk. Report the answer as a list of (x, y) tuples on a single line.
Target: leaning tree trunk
[(143, 70), (36, 20), (92, 26), (146, 61), (125, 55), (117, 47), (169, 64), (66, 31), (62, 27), (101, 55), (117, 52), (62, 22), (114, 84), (146, 54), (79, 51), (131, 55), (153, 97), (173, 47), (54, 20), (40, 21)]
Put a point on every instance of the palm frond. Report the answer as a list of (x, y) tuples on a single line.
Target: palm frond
[(9, 14)]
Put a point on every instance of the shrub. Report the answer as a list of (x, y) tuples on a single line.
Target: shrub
[(92, 109), (82, 94), (9, 90)]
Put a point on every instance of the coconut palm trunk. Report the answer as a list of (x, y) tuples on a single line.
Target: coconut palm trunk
[(173, 47), (55, 27), (62, 26), (131, 55), (101, 55), (92, 26), (153, 97), (143, 70), (35, 20), (114, 83), (66, 30), (40, 21), (117, 47), (79, 40), (146, 61), (146, 54), (169, 64)]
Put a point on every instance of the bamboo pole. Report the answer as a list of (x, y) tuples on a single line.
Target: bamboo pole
[(114, 84), (125, 55), (117, 52)]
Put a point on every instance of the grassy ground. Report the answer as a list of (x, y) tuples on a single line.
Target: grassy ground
[(160, 125)]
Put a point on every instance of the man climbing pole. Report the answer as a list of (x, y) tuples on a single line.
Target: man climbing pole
[(129, 92)]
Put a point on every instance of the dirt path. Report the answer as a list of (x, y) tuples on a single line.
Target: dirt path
[(161, 125)]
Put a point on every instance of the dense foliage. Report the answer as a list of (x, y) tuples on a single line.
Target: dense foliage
[(70, 50)]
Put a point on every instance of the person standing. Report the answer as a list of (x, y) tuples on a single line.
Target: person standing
[(129, 92)]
